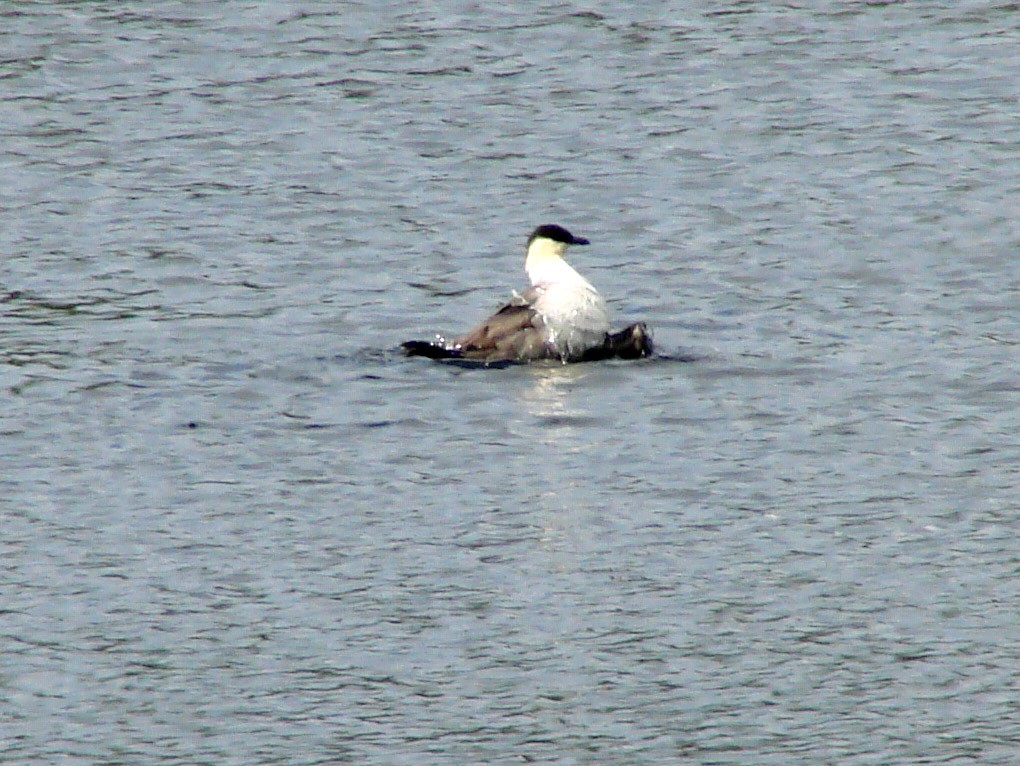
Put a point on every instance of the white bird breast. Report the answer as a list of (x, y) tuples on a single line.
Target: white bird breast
[(577, 317)]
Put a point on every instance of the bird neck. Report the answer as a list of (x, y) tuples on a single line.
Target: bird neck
[(545, 265)]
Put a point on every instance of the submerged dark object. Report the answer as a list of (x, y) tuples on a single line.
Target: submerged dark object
[(561, 316), (634, 342)]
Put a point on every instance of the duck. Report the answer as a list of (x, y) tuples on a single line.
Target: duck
[(560, 316)]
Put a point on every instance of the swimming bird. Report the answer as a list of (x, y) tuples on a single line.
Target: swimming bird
[(560, 316)]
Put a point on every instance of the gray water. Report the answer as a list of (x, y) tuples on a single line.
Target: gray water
[(238, 528)]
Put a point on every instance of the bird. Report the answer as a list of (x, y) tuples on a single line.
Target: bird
[(559, 316)]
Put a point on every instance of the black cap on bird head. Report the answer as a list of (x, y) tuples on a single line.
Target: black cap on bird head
[(557, 234)]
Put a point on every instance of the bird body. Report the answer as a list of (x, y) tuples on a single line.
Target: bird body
[(559, 316)]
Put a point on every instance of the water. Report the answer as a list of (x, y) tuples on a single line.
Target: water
[(239, 528)]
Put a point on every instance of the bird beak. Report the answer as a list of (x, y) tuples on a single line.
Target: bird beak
[(580, 241)]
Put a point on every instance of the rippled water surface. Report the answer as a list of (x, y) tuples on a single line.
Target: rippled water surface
[(239, 528)]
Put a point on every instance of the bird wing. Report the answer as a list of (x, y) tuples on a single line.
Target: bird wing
[(516, 331)]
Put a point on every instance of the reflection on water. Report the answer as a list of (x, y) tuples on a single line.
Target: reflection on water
[(547, 397)]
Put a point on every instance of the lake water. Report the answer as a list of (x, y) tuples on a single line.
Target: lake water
[(237, 527)]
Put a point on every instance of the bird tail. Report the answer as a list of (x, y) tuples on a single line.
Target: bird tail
[(430, 349)]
